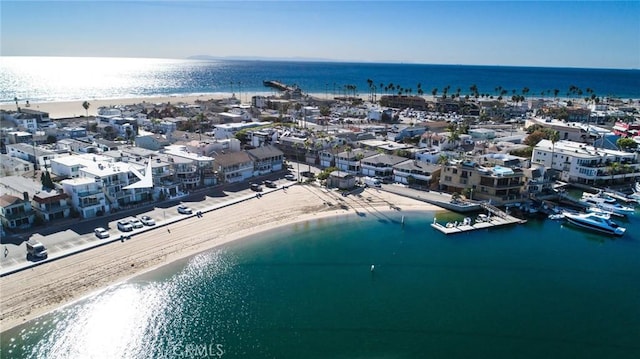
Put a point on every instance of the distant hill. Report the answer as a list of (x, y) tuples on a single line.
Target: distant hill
[(259, 58)]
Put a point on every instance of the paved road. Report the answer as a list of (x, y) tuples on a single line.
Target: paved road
[(74, 234)]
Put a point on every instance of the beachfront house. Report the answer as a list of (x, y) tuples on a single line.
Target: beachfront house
[(350, 161), (51, 204), (497, 184), (234, 167), (415, 173), (86, 196), (582, 163), (380, 165), (266, 159), (16, 212), (198, 172)]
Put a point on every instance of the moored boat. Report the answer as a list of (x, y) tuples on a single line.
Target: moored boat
[(594, 221), (616, 209)]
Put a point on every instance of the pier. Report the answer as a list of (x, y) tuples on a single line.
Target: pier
[(495, 218), (278, 85)]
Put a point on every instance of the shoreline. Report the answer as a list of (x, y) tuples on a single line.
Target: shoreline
[(32, 293), (73, 109)]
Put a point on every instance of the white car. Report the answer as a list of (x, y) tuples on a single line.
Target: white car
[(147, 221), (135, 223), (101, 233), (184, 209), (125, 226)]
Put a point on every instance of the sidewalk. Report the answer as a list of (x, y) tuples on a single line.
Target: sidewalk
[(10, 269)]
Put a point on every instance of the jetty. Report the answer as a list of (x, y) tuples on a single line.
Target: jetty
[(495, 218), (278, 85)]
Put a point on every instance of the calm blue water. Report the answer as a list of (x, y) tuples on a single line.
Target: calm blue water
[(538, 290), (44, 79)]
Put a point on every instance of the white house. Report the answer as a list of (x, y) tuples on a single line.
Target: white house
[(86, 196), (582, 163)]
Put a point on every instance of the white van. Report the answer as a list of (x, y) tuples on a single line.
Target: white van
[(36, 249), (372, 182)]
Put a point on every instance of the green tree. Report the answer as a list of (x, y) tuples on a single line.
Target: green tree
[(45, 179), (535, 137), (626, 143)]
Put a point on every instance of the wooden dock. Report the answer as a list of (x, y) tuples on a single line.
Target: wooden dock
[(495, 218)]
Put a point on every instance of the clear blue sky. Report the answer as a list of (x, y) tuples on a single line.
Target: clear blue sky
[(541, 33)]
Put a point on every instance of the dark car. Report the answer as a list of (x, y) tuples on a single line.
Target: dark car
[(256, 187)]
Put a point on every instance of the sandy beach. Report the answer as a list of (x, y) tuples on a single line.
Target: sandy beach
[(28, 294), (66, 109)]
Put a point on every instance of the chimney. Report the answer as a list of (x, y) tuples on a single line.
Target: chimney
[(25, 196)]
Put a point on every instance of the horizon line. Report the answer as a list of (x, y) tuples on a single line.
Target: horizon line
[(326, 60)]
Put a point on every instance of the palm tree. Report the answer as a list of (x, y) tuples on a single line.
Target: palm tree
[(359, 157), (86, 105), (614, 167), (307, 147), (555, 137), (295, 147), (200, 117), (335, 154), (348, 150)]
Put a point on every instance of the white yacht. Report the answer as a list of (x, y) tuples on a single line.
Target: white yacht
[(616, 209), (598, 222), (598, 197), (601, 203)]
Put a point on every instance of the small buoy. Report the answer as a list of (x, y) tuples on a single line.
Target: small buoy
[(373, 267)]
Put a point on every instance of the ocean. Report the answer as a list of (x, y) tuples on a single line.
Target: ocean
[(538, 290), (47, 79), (306, 291)]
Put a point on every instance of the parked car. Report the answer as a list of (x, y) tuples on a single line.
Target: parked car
[(290, 177), (135, 223), (36, 250), (147, 221), (125, 226), (256, 187), (101, 233), (184, 209), (270, 184)]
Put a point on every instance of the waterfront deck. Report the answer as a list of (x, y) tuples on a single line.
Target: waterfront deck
[(495, 218)]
